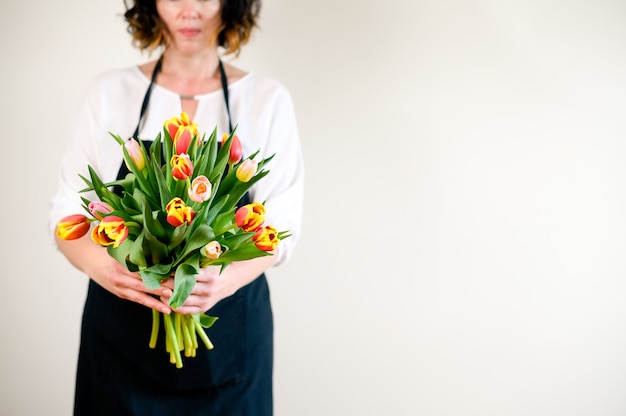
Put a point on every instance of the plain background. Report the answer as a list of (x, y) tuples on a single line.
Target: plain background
[(465, 228)]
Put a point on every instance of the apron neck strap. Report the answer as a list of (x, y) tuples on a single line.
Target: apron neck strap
[(157, 69)]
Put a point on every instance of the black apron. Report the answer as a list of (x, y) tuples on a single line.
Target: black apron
[(118, 374)]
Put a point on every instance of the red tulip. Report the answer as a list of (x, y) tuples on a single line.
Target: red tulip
[(266, 238), (250, 217), (112, 231), (236, 150), (178, 213), (182, 168), (72, 227)]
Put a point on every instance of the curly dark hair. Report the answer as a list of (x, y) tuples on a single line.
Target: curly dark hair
[(239, 17)]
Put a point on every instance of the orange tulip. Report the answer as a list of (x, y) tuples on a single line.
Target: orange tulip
[(250, 217), (266, 238), (110, 232), (178, 213), (72, 227)]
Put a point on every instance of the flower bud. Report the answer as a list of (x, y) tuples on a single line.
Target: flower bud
[(72, 227), (212, 250), (135, 153), (246, 170), (99, 209), (236, 150)]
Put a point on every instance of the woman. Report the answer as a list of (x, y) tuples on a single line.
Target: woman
[(117, 373)]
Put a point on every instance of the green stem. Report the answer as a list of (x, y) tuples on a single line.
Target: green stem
[(178, 330), (203, 336), (155, 328), (169, 327), (187, 336)]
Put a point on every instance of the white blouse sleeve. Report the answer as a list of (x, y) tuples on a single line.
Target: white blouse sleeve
[(79, 152), (282, 189)]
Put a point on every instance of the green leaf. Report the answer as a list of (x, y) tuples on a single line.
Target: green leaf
[(233, 241), (117, 138), (184, 281), (162, 269), (137, 255), (151, 280), (239, 190), (164, 192), (130, 205), (121, 252), (216, 209), (198, 238), (205, 320), (102, 191), (246, 252), (151, 223), (153, 276), (178, 236), (143, 182)]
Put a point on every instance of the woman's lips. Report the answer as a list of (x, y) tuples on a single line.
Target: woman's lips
[(189, 32)]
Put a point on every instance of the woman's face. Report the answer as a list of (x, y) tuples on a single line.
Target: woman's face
[(191, 25)]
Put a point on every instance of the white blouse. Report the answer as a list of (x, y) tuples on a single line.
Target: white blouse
[(262, 113)]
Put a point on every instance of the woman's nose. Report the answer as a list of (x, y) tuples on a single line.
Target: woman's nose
[(189, 9)]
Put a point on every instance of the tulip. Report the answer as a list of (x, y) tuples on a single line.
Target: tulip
[(246, 170), (135, 153), (110, 232), (178, 213), (250, 217), (200, 189), (266, 238), (72, 227), (213, 250), (99, 209), (183, 138), (236, 151), (182, 168), (173, 124)]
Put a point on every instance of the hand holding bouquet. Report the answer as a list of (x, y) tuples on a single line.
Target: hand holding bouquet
[(177, 212)]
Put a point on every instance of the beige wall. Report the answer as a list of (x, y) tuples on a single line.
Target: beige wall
[(463, 251)]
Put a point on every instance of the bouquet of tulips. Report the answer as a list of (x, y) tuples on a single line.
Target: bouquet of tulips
[(173, 218)]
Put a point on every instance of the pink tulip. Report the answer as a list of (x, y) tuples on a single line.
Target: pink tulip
[(246, 170), (99, 209), (200, 189), (135, 153)]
